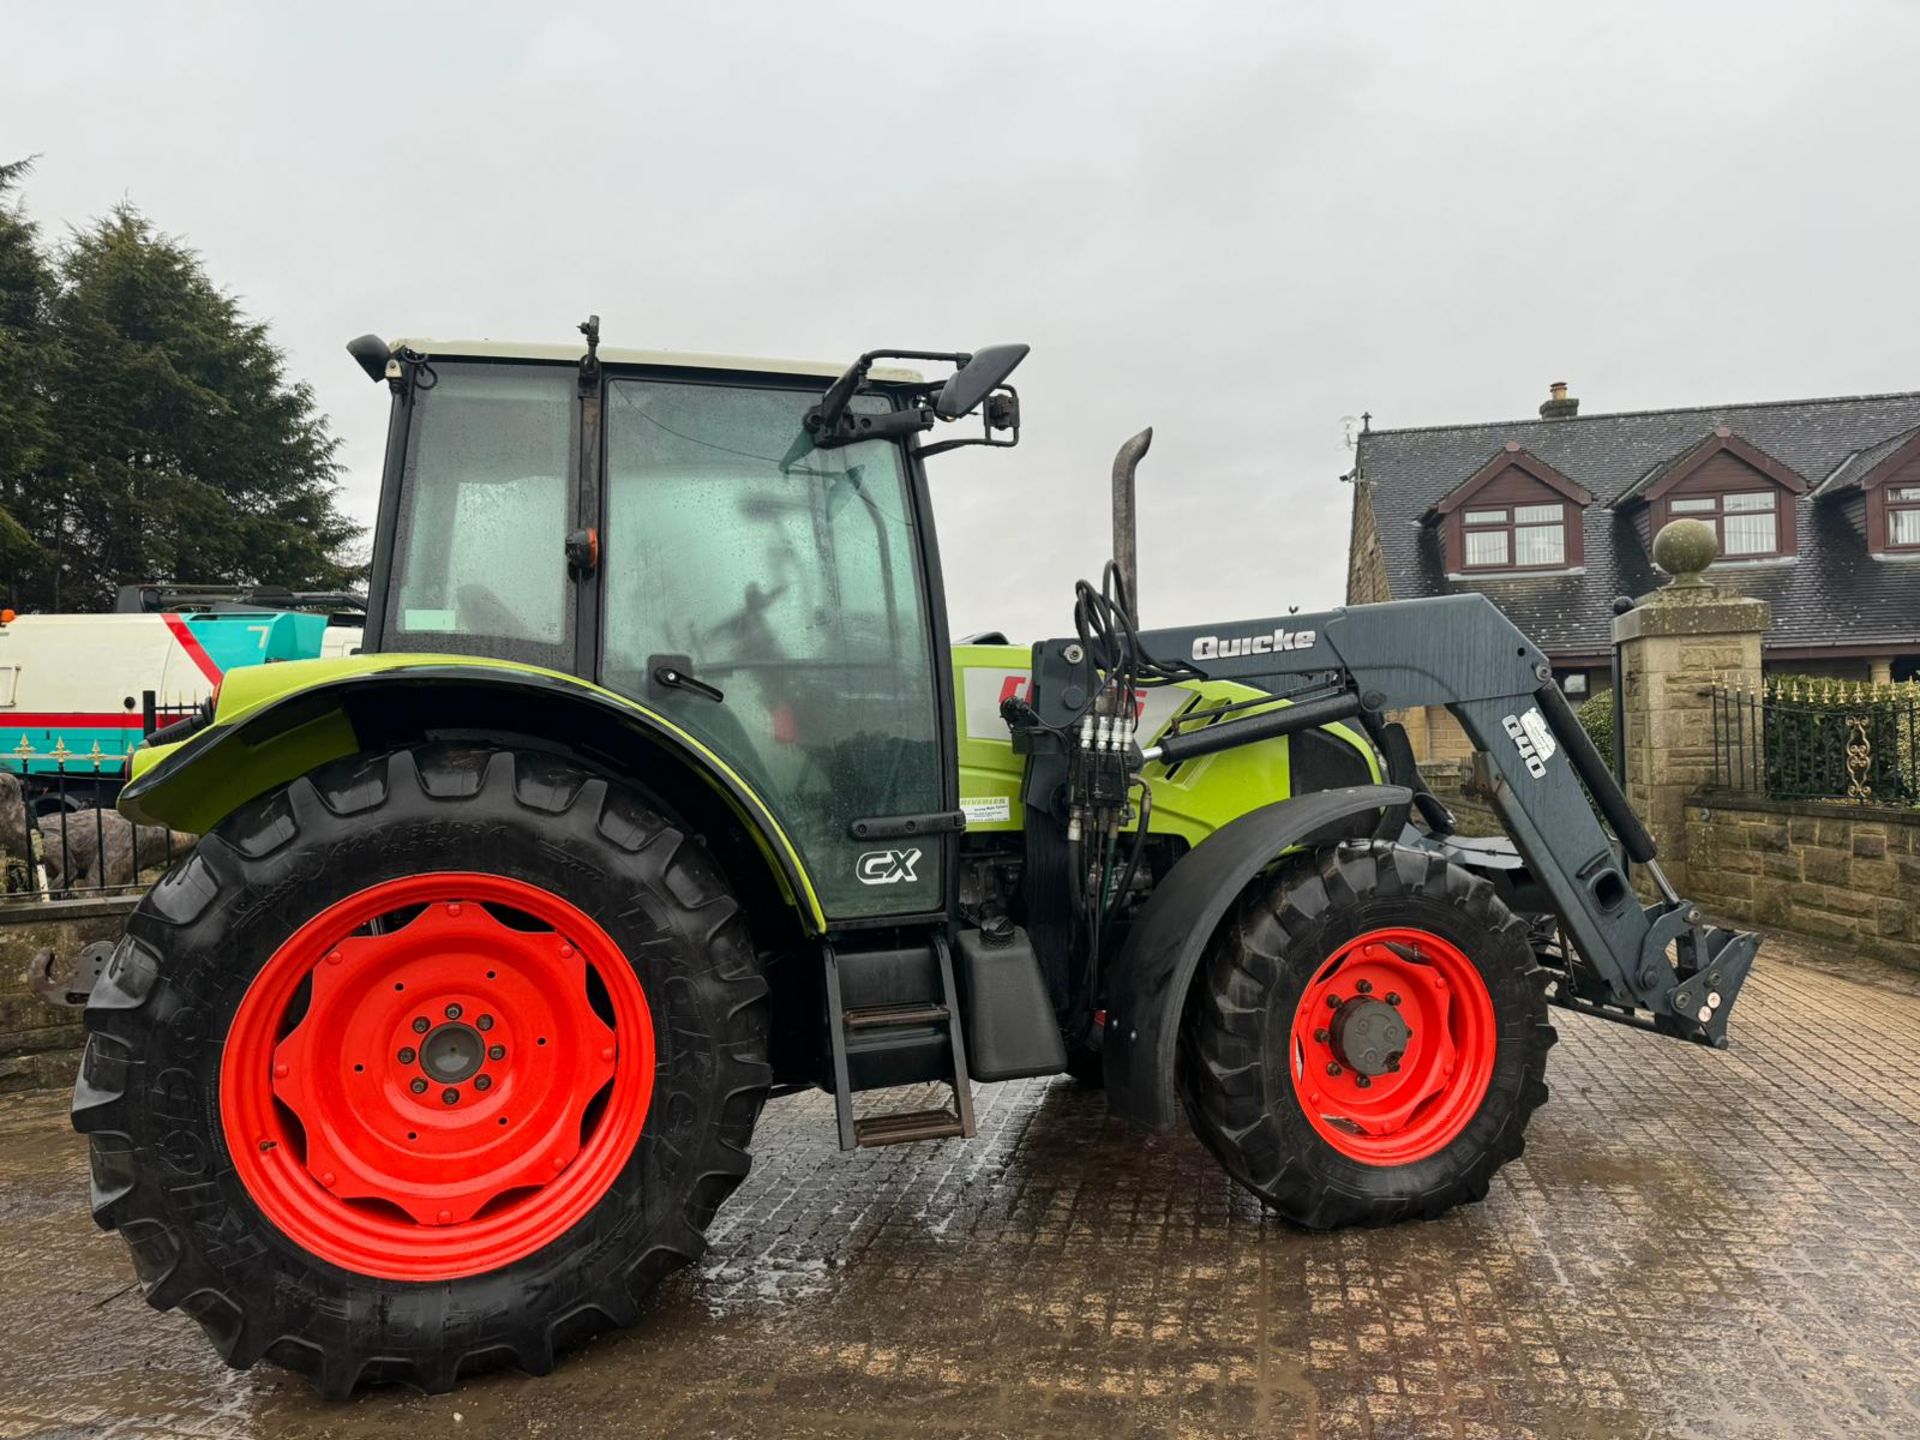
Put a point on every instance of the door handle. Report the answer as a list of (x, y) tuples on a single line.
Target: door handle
[(669, 672), (583, 552)]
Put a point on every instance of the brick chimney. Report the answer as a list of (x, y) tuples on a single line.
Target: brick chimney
[(1559, 405)]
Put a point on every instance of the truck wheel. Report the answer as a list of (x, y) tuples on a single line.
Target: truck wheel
[(1366, 1039), (426, 1063)]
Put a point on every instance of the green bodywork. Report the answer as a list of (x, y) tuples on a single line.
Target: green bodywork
[(273, 723), (254, 745), (1192, 802)]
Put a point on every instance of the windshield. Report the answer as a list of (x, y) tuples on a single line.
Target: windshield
[(788, 579)]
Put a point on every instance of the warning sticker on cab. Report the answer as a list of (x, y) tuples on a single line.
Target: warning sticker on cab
[(987, 809)]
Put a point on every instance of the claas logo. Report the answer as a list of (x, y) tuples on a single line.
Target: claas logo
[(1020, 687)]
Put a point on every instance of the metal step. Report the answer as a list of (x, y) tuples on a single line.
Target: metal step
[(907, 1125), (844, 1022), (877, 1016)]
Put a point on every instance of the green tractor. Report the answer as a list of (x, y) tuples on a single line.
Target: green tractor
[(661, 789)]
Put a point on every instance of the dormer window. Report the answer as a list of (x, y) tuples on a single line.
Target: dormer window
[(1745, 522), (1878, 489), (1731, 484), (1903, 517), (1515, 514), (1516, 537)]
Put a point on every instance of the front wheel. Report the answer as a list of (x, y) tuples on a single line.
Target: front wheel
[(1367, 1038), (429, 1062)]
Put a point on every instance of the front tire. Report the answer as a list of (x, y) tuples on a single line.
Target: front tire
[(1367, 1038), (426, 1063)]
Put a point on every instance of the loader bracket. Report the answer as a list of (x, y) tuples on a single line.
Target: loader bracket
[(1715, 963)]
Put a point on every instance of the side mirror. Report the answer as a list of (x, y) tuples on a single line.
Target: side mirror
[(977, 379), (372, 354)]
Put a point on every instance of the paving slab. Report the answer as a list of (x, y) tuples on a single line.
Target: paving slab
[(1694, 1245)]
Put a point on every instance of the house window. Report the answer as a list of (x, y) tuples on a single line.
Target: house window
[(1903, 517), (1516, 537), (1746, 522)]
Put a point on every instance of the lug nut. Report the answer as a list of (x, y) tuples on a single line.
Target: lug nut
[(1393, 997), (421, 1025), (1393, 1065), (1319, 1037), (485, 1022), (406, 1055), (483, 1082), (1333, 1002), (1333, 1067), (496, 1052), (419, 1087), (453, 1012), (450, 1096), (1363, 1081), (1365, 987)]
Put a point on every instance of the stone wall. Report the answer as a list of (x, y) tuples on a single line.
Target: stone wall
[(1844, 873), (1472, 817), (1676, 646), (39, 1043), (1367, 581)]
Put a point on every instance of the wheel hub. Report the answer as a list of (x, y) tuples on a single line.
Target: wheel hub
[(1393, 1043), (1368, 1036), (452, 1053)]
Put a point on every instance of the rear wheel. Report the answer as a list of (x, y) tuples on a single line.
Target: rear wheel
[(429, 1062), (1367, 1038)]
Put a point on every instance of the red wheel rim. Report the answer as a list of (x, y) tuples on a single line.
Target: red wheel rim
[(1392, 1046), (526, 1023)]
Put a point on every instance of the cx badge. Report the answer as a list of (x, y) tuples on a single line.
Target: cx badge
[(887, 867)]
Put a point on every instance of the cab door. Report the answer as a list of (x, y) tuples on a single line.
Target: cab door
[(488, 493), (772, 599)]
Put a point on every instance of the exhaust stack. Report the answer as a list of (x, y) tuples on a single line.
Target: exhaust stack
[(1125, 462)]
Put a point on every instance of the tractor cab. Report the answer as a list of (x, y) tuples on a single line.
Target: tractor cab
[(744, 547)]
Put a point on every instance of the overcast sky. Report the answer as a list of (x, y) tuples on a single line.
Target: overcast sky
[(1239, 224)]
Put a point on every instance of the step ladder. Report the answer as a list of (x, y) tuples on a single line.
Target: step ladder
[(871, 1032)]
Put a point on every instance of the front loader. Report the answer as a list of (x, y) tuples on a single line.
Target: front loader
[(661, 789)]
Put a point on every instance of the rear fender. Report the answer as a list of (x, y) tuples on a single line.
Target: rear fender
[(275, 723), (1148, 982)]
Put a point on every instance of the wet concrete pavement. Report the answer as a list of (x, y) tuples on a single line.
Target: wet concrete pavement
[(1695, 1245)]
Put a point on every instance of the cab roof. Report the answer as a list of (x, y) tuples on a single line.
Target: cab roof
[(615, 355)]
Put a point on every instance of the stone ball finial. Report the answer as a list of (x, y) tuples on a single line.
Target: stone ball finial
[(1684, 548)]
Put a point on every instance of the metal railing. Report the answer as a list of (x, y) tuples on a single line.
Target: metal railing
[(1813, 739), (60, 836)]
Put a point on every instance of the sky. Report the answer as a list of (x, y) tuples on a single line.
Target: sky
[(1244, 225)]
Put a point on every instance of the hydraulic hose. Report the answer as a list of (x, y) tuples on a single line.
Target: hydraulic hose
[(1594, 772), (1285, 720)]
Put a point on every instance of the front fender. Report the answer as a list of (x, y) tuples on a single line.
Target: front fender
[(1147, 985), (276, 722)]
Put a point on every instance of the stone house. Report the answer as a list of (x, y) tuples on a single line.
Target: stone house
[(1816, 503)]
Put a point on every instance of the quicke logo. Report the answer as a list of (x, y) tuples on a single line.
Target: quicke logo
[(1213, 647)]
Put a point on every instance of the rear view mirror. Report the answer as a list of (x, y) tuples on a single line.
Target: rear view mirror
[(371, 353), (977, 379)]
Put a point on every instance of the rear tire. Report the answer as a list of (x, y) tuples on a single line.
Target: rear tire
[(1381, 919), (646, 1119)]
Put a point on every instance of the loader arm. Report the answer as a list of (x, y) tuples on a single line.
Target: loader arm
[(1532, 762)]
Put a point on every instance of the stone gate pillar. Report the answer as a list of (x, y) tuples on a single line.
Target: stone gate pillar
[(1675, 646)]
